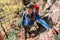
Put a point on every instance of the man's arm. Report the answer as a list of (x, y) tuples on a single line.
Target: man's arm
[(25, 21), (42, 22), (23, 18)]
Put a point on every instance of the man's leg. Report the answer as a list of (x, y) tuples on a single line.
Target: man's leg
[(25, 32)]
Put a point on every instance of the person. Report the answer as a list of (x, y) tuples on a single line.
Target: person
[(36, 7), (30, 16)]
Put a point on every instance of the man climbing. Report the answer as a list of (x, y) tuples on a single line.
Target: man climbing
[(29, 17)]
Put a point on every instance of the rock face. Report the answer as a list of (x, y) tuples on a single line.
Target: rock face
[(55, 16), (9, 11)]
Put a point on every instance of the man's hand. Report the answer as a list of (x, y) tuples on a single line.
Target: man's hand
[(52, 30)]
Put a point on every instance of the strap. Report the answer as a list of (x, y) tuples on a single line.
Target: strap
[(33, 16)]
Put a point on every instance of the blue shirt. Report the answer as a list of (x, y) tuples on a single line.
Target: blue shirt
[(28, 21)]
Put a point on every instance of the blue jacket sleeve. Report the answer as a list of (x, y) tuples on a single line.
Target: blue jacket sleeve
[(23, 18), (42, 22)]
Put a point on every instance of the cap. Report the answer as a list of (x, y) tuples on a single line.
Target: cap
[(30, 6)]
